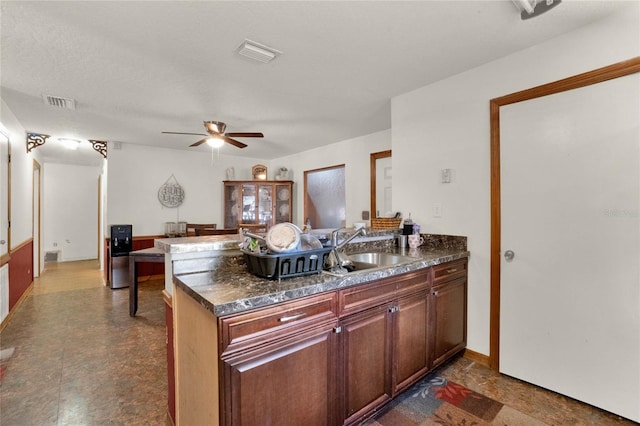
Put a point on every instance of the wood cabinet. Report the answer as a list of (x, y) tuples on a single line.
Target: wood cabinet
[(385, 347), (326, 359), (449, 310), (366, 356), (279, 364), (257, 202)]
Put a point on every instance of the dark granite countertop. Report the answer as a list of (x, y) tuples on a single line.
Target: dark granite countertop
[(229, 288)]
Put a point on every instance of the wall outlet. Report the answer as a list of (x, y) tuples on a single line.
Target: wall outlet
[(365, 215), (437, 210)]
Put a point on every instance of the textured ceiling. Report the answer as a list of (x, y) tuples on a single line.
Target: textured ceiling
[(138, 68)]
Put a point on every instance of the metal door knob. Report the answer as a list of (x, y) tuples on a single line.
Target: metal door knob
[(2, 242), (509, 255)]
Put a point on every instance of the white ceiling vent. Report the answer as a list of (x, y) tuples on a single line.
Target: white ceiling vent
[(58, 102), (258, 52)]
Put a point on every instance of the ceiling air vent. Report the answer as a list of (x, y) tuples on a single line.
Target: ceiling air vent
[(258, 52), (58, 102)]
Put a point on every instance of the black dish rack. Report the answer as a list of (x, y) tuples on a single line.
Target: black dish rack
[(286, 265)]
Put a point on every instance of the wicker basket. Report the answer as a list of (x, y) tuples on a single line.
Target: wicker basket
[(385, 222)]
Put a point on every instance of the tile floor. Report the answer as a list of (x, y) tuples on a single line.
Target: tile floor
[(79, 358), (71, 355)]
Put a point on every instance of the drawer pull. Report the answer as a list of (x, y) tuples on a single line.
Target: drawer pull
[(451, 271), (292, 317), (435, 293)]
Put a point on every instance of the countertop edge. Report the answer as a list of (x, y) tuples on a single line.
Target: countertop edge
[(203, 294)]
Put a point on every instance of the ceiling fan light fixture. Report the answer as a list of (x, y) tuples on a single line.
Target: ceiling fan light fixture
[(215, 142), (258, 52)]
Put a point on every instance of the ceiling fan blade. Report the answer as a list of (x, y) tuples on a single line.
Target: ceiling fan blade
[(233, 142), (245, 135), (183, 133), (200, 142)]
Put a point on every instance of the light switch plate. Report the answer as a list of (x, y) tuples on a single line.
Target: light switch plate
[(445, 175)]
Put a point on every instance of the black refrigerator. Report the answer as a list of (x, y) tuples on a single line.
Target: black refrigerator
[(120, 245)]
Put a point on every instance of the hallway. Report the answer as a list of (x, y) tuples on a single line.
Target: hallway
[(79, 358)]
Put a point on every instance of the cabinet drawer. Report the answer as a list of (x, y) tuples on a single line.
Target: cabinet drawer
[(449, 271), (264, 325), (364, 296)]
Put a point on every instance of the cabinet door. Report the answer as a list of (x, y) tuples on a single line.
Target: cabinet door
[(411, 347), (450, 319), (366, 346), (291, 382), (265, 204), (283, 203), (232, 197), (249, 203)]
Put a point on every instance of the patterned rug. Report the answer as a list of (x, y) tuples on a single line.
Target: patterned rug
[(438, 401)]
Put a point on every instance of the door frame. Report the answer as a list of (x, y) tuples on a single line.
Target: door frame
[(598, 75), (36, 231)]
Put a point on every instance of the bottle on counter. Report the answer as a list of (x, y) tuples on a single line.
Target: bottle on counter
[(407, 229)]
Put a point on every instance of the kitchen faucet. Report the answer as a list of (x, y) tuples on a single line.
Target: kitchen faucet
[(337, 261)]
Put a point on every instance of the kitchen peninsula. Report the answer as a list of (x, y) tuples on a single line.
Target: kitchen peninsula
[(317, 349)]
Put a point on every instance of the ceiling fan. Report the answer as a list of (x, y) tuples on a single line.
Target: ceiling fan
[(215, 130)]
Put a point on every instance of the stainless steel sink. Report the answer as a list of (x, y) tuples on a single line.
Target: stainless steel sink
[(372, 260), (377, 259)]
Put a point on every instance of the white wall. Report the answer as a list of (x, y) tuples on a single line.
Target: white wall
[(70, 211), (21, 179), (354, 154), (446, 125), (136, 173)]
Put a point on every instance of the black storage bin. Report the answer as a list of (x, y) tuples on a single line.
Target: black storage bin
[(286, 265)]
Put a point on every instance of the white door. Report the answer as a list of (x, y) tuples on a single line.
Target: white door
[(570, 298), (4, 193)]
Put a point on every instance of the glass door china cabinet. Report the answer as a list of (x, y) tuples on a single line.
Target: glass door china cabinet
[(254, 203)]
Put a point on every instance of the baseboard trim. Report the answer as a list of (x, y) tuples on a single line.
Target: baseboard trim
[(167, 298), (16, 306), (477, 357)]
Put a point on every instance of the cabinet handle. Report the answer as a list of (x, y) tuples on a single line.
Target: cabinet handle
[(337, 329), (292, 317), (435, 293), (394, 309), (452, 270)]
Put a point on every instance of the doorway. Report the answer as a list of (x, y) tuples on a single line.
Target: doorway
[(324, 197)]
